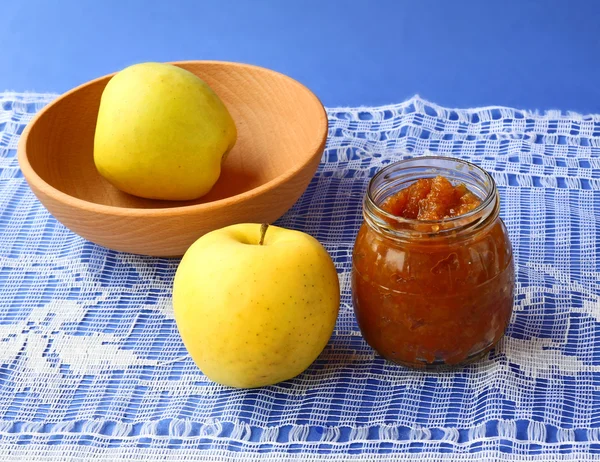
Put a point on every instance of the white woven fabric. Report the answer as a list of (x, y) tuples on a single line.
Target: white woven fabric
[(92, 366)]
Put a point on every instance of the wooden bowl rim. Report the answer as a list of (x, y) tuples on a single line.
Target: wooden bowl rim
[(35, 180)]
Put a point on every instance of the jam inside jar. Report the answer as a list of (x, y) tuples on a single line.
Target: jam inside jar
[(430, 293)]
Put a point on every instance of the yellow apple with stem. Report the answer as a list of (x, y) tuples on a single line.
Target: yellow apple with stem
[(255, 305)]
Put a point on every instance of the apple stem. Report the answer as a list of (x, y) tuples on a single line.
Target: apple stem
[(263, 231)]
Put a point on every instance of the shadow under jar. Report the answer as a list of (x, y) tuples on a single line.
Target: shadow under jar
[(432, 293)]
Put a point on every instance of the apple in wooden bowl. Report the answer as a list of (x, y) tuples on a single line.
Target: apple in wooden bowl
[(281, 134)]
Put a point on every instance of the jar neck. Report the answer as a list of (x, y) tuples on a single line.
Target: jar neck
[(402, 174)]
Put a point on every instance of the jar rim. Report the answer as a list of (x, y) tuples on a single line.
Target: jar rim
[(486, 202)]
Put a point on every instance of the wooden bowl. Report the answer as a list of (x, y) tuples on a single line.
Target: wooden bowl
[(282, 128)]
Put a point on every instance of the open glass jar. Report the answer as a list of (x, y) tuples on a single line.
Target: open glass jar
[(432, 293)]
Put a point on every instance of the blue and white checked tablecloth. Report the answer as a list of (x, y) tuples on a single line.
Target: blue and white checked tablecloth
[(92, 366)]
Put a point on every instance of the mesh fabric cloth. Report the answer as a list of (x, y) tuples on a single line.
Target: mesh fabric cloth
[(92, 366)]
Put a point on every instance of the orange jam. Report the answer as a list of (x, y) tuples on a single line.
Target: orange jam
[(431, 199), (424, 298)]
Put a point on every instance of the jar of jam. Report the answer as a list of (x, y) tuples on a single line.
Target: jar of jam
[(432, 266)]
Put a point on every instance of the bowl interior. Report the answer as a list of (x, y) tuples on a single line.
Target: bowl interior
[(280, 126)]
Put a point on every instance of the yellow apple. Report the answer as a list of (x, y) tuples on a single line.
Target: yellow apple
[(255, 306), (161, 133)]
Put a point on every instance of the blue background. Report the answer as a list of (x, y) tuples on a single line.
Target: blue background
[(525, 54)]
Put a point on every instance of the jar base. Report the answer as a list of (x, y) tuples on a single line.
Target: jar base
[(440, 365)]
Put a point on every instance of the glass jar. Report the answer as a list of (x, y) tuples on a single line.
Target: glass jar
[(432, 293)]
